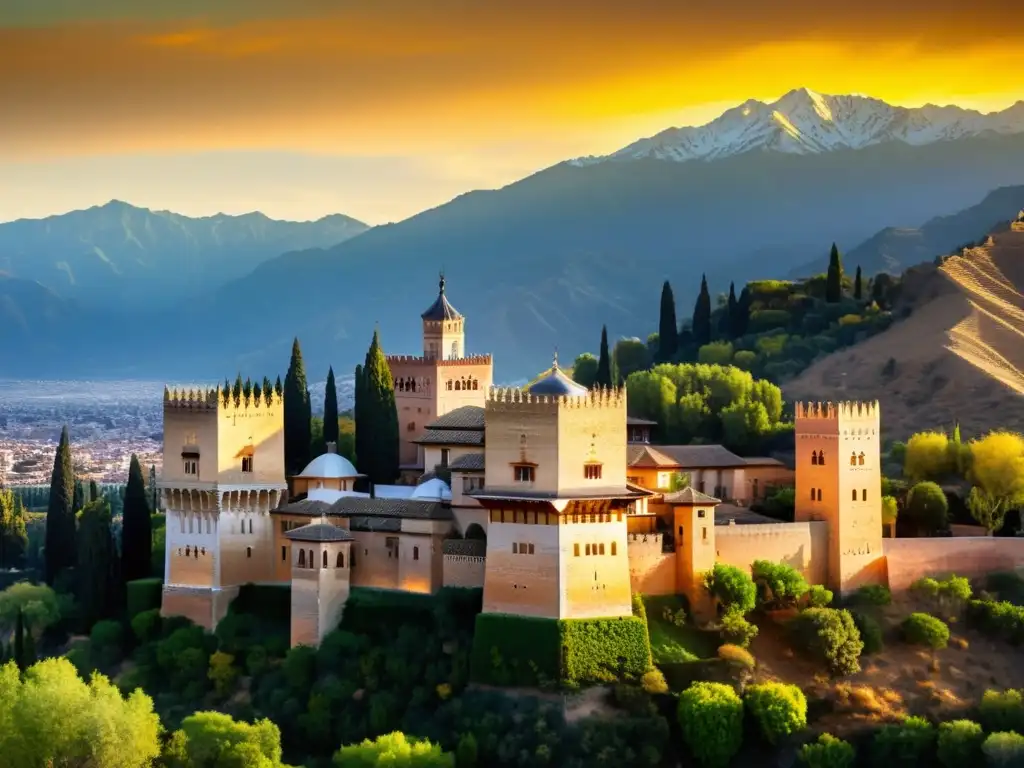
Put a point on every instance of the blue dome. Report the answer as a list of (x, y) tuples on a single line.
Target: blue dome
[(556, 383)]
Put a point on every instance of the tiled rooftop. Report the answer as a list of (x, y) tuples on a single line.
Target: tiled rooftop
[(450, 437), (467, 417)]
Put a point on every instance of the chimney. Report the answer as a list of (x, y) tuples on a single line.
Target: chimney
[(332, 447)]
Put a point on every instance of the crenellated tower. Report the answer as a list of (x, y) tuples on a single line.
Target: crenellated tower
[(223, 471), (442, 379), (838, 479)]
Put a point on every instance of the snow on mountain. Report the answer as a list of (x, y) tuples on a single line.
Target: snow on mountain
[(804, 122)]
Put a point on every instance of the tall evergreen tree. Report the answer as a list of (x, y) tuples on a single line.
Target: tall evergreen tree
[(297, 414), (858, 288), (278, 389), (94, 491), (743, 311), (13, 535), (732, 309), (78, 500), (364, 429), (605, 365), (98, 587), (834, 277), (668, 329), (330, 409), (137, 527), (380, 417), (60, 513), (702, 315)]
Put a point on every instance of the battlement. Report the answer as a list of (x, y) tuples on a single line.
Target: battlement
[(513, 398), (428, 362), (845, 410), (216, 398)]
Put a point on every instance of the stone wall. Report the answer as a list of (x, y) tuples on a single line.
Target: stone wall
[(205, 607), (908, 560), (651, 571), (464, 570), (801, 545)]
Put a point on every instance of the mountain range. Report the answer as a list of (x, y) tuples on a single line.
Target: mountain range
[(546, 261)]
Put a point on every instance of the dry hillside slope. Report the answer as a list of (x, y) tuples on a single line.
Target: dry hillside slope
[(959, 356)]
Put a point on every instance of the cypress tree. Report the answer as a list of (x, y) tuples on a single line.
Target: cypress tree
[(363, 427), (743, 311), (96, 580), (378, 392), (19, 641), (702, 315), (13, 535), (330, 409), (137, 527), (733, 312), (297, 414), (94, 490), (605, 375), (858, 288), (668, 330), (834, 277), (60, 513), (78, 500)]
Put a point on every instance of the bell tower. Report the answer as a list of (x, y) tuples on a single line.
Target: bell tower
[(444, 329)]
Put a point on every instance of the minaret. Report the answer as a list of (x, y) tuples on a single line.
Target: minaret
[(444, 328)]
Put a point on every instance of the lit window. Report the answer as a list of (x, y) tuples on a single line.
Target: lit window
[(524, 473), (247, 463)]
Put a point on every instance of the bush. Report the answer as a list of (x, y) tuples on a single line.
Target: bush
[(947, 596), (924, 629), (1004, 749), (653, 682), (1003, 620), (738, 657), (908, 744), (828, 752), (778, 585), (873, 594), (870, 632), (604, 649), (143, 595), (146, 625), (1002, 711), (711, 718), (732, 588), (959, 744), (106, 643), (928, 507), (736, 630), (819, 597), (780, 710), (831, 635)]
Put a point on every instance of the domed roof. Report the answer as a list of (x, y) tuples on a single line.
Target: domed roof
[(330, 465), (441, 309), (554, 382), (434, 489)]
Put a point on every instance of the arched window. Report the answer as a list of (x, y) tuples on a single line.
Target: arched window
[(312, 562), (302, 558), (860, 458), (476, 384), (413, 383), (248, 551), (458, 386), (415, 553), (821, 458), (449, 385), (188, 551), (854, 494), (819, 494), (455, 350), (814, 457), (614, 549), (400, 385), (853, 459), (325, 559), (814, 494), (864, 494), (341, 560)]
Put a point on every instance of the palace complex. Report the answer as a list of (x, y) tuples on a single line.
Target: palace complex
[(549, 497)]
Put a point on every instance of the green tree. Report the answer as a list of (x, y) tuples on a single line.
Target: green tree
[(890, 511), (19, 641), (297, 414), (379, 416), (40, 606), (97, 582), (364, 428), (94, 491), (743, 312), (828, 752), (137, 526), (13, 534), (668, 328), (394, 750), (732, 309), (711, 718), (927, 457), (78, 500), (606, 374), (216, 740), (997, 474), (732, 588), (858, 288), (959, 744), (928, 507), (702, 315), (834, 277), (60, 513), (780, 710), (331, 409), (584, 370), (630, 356)]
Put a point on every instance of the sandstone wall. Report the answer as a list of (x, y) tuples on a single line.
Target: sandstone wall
[(464, 571), (801, 545), (651, 571), (908, 560)]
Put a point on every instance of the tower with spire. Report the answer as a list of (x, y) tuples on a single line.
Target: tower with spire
[(441, 379)]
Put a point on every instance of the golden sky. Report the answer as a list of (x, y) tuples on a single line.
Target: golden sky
[(381, 108)]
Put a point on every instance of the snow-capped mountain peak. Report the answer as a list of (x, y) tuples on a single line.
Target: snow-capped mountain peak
[(805, 122)]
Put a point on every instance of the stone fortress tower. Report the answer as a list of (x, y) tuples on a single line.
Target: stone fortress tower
[(223, 473), (321, 579), (442, 379), (839, 480), (557, 500)]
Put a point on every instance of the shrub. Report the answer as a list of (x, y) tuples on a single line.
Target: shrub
[(715, 353), (1004, 749), (909, 744), (1007, 584), (959, 744), (711, 718), (737, 657), (143, 595), (778, 585), (653, 682), (633, 700), (604, 649), (827, 752), (731, 587), (736, 630), (106, 643), (830, 635), (146, 625), (1002, 711), (928, 507), (780, 710), (947, 595), (1004, 620), (222, 672), (870, 632), (819, 597), (924, 629), (872, 594)]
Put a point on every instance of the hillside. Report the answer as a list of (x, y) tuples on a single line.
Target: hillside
[(118, 253), (957, 357), (894, 249)]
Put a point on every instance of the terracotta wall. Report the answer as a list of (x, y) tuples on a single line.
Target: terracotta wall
[(464, 571), (908, 560), (651, 571), (801, 545)]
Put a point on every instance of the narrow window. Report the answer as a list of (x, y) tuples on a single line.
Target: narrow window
[(302, 558), (854, 494), (476, 384), (529, 549), (864, 494), (614, 552), (813, 493), (445, 454), (600, 548), (853, 459), (284, 554), (415, 553), (704, 533), (312, 562), (247, 463), (250, 525), (449, 385), (515, 548), (814, 458), (860, 459), (592, 471), (588, 550), (576, 550), (248, 551), (341, 560), (821, 458), (819, 494)]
